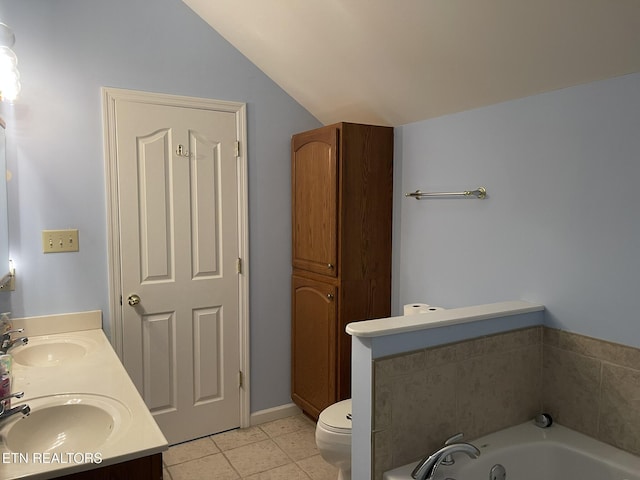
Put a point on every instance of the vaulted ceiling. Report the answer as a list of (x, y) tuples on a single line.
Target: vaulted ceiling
[(399, 61)]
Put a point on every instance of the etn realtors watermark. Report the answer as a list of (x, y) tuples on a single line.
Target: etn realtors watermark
[(52, 458)]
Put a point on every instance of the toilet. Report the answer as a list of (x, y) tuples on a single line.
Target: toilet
[(333, 437)]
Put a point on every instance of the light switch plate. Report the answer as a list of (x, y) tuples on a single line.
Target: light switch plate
[(56, 241)]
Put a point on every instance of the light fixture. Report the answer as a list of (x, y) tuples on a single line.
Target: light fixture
[(9, 75), (8, 282)]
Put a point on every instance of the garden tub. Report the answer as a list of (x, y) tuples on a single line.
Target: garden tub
[(528, 452)]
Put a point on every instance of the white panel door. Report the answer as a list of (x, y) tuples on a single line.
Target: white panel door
[(178, 210)]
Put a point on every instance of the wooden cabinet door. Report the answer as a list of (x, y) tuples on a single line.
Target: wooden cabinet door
[(314, 343), (315, 200)]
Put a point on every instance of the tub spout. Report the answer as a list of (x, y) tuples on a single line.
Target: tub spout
[(427, 467)]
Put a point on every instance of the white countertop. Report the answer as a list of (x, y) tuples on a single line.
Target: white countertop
[(98, 374), (440, 318)]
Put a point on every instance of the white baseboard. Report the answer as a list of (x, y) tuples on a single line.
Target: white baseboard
[(275, 413)]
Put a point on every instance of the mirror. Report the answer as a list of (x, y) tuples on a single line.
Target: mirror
[(5, 276)]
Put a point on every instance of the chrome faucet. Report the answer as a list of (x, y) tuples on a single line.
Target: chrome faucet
[(427, 467), (24, 409), (8, 342)]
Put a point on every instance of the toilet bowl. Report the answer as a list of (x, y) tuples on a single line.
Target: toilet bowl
[(333, 437)]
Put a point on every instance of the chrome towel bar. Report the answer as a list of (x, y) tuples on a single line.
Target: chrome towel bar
[(480, 193)]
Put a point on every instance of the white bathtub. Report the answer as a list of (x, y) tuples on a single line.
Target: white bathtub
[(531, 453)]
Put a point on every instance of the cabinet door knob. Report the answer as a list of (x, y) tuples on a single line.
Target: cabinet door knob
[(330, 296), (330, 266)]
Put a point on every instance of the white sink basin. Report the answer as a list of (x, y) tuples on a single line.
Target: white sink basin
[(66, 423), (45, 352)]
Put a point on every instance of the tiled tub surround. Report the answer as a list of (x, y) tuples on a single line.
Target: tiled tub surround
[(593, 386), (475, 386), (485, 384)]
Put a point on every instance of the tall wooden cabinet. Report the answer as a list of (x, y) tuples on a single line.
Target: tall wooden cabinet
[(342, 178)]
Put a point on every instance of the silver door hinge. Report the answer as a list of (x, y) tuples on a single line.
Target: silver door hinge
[(239, 265), (240, 379), (237, 148)]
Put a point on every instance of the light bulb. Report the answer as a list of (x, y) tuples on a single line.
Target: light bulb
[(10, 92), (9, 76), (7, 38)]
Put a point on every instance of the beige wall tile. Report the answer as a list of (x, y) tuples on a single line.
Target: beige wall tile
[(401, 364), (551, 337), (616, 353), (620, 408), (455, 352), (382, 381), (513, 340), (422, 412), (572, 389), (606, 407), (499, 390), (382, 452)]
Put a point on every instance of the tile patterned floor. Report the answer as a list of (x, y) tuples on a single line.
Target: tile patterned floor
[(280, 450)]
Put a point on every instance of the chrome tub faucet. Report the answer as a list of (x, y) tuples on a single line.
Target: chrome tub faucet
[(427, 467)]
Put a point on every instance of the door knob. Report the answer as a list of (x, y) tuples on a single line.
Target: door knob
[(330, 296), (133, 300)]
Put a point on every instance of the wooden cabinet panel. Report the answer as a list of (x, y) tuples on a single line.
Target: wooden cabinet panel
[(314, 343), (315, 202), (366, 202), (342, 179)]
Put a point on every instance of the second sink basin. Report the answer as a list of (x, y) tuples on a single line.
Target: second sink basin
[(43, 352), (66, 423)]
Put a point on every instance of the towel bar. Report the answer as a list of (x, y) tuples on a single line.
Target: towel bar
[(480, 193)]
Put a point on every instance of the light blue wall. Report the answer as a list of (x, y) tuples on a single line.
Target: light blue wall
[(561, 225), (67, 50)]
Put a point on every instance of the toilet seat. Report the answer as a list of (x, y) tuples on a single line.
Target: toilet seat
[(337, 418)]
